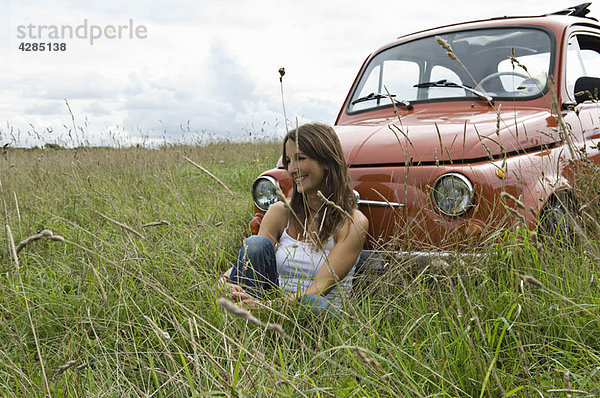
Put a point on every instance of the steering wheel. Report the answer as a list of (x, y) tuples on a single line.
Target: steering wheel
[(496, 75)]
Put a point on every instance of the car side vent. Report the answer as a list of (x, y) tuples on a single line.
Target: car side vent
[(580, 10)]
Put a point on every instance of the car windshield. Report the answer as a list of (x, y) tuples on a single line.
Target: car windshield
[(501, 63)]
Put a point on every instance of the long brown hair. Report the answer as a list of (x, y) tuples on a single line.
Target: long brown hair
[(320, 142)]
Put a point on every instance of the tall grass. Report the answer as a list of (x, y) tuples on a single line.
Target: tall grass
[(112, 312)]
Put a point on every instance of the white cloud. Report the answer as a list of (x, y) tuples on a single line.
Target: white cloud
[(97, 108), (205, 66), (45, 108), (86, 85)]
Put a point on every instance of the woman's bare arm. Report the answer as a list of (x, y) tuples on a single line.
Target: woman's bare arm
[(274, 222), (349, 240)]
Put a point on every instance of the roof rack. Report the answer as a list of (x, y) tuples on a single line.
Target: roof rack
[(580, 10)]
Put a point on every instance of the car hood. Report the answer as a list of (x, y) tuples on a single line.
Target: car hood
[(428, 137)]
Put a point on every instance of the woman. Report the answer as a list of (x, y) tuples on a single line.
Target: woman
[(307, 247)]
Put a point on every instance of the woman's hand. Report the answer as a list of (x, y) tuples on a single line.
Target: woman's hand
[(252, 303), (226, 289), (237, 293), (248, 302)]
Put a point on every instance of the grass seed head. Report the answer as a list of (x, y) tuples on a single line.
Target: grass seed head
[(369, 361), (446, 47), (533, 238), (444, 44), (155, 223), (451, 55), (515, 213), (56, 238), (46, 233), (531, 280), (236, 310), (516, 201), (243, 313), (66, 366), (82, 366)]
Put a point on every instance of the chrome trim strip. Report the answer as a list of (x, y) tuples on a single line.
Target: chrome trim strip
[(379, 260), (375, 203), (379, 203)]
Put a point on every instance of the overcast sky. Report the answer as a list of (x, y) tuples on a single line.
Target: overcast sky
[(185, 68)]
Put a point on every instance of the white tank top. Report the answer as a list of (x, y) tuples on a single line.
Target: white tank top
[(298, 262)]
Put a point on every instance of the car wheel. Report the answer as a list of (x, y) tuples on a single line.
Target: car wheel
[(560, 222)]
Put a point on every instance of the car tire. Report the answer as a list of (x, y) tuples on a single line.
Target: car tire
[(560, 222)]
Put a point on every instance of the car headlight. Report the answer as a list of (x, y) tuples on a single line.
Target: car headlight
[(264, 192), (453, 194)]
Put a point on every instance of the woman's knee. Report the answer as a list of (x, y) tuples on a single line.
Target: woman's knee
[(256, 244)]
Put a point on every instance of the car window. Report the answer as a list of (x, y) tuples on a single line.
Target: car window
[(535, 67), (483, 63), (393, 75), (370, 85), (583, 59), (398, 76), (440, 73)]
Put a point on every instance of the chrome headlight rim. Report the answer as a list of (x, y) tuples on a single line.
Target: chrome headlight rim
[(467, 184), (273, 182)]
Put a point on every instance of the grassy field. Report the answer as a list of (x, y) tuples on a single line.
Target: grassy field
[(111, 306)]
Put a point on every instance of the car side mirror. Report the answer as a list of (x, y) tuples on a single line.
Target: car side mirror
[(587, 88)]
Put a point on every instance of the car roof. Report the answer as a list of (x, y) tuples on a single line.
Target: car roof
[(576, 13), (556, 21)]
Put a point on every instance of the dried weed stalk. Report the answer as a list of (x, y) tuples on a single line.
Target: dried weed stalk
[(17, 206), (330, 203), (99, 280), (567, 391), (65, 367), (161, 333), (35, 337), (46, 233), (450, 53), (208, 173), (246, 315), (125, 227), (155, 224), (564, 129), (286, 204), (516, 214)]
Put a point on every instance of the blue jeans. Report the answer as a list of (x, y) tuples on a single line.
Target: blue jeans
[(255, 270)]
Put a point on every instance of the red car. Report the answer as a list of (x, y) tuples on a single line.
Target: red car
[(451, 133)]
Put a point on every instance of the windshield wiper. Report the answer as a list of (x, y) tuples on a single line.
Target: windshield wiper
[(377, 96), (446, 83)]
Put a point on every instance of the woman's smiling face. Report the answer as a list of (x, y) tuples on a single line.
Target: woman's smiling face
[(307, 173)]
